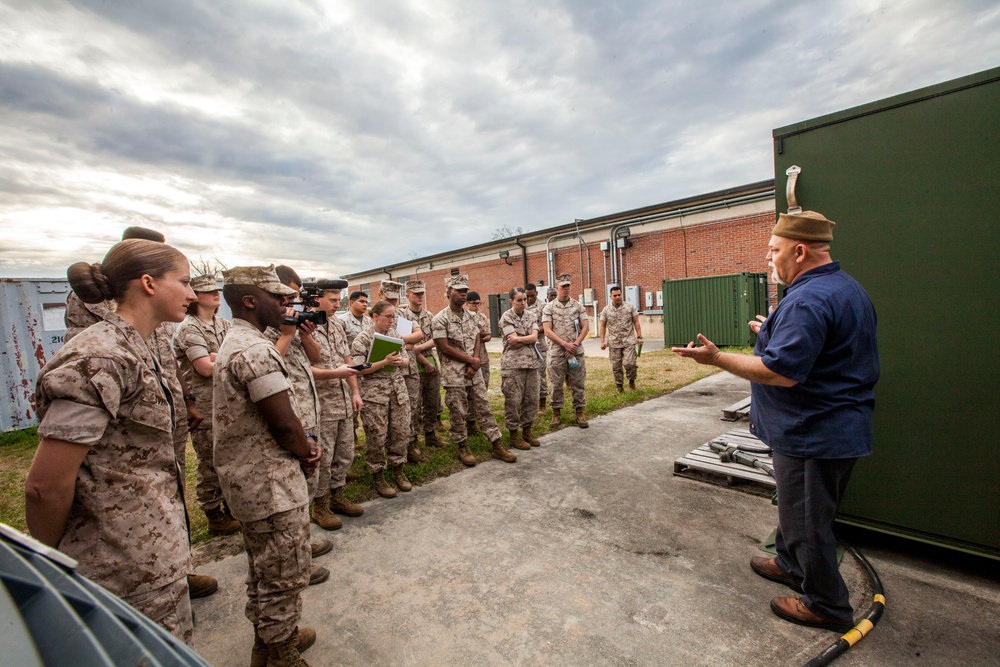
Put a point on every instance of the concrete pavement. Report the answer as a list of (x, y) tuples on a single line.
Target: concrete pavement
[(588, 551)]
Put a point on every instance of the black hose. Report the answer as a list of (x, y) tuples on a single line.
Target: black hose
[(867, 622)]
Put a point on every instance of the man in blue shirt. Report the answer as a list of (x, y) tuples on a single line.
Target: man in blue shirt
[(812, 377)]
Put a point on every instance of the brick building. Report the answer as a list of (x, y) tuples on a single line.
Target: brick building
[(712, 234)]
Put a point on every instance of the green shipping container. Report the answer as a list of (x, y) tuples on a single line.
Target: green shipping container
[(912, 183), (718, 307)]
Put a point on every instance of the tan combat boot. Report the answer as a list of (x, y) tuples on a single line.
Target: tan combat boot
[(285, 654), (465, 454), (382, 487), (414, 455), (631, 385), (620, 388), (318, 574), (341, 505), (529, 437), (556, 418), (201, 586), (581, 421), (517, 442), (322, 516), (320, 547), (305, 637), (221, 522), (502, 453), (431, 439), (399, 477)]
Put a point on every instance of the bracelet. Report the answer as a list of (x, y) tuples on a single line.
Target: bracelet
[(189, 397)]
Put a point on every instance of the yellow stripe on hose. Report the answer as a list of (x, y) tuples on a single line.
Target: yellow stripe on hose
[(858, 633), (879, 598)]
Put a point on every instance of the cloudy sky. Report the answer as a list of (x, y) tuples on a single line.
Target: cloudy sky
[(337, 136)]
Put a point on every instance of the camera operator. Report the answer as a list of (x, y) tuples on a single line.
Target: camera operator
[(299, 350), (339, 399)]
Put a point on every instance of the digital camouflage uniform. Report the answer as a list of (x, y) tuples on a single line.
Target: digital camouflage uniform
[(304, 396), (386, 411), (161, 344), (461, 330), (620, 338), (196, 339), (336, 411), (126, 524), (80, 315), (262, 483), (484, 330), (565, 318), (411, 378), (429, 405), (519, 371), (542, 346), (352, 325)]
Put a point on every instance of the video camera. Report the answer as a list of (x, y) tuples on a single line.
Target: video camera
[(309, 298)]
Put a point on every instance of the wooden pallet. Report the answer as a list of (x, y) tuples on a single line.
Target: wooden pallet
[(736, 410), (704, 462)]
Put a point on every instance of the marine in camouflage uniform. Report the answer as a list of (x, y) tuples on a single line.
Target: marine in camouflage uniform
[(456, 332), (541, 344), (386, 415), (519, 375), (197, 339), (619, 334), (354, 325), (126, 525), (473, 305), (390, 291), (424, 417), (566, 319), (336, 411), (80, 315), (263, 483)]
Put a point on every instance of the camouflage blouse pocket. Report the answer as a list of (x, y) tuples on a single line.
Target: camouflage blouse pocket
[(149, 411)]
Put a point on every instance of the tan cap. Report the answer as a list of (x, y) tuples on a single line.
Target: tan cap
[(564, 279), (390, 289), (457, 282), (204, 283), (804, 226), (416, 286), (263, 277)]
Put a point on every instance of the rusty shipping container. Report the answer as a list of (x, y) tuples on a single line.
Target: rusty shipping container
[(32, 312)]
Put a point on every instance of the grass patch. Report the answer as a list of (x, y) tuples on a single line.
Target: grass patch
[(660, 372)]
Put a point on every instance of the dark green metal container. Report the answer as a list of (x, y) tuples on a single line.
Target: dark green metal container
[(913, 183), (717, 306)]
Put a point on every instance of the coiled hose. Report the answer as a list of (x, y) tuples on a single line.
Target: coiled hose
[(865, 625)]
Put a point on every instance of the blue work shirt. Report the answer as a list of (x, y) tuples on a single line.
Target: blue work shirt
[(822, 335)]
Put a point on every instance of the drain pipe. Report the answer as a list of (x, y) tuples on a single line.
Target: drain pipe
[(524, 259)]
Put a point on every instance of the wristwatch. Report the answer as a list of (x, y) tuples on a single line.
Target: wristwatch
[(189, 397)]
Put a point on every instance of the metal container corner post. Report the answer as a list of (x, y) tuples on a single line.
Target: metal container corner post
[(911, 182)]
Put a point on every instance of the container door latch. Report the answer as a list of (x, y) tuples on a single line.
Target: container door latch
[(793, 175)]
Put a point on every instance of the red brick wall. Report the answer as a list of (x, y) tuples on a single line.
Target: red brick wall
[(734, 245)]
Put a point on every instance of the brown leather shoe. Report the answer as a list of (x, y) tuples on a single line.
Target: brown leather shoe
[(793, 611), (768, 568), (318, 574)]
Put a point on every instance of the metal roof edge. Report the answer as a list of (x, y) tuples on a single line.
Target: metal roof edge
[(583, 225), (895, 101)]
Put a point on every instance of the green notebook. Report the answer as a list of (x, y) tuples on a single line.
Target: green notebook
[(382, 347)]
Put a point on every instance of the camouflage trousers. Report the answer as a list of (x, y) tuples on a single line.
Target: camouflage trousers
[(430, 401), (413, 393), (387, 427), (559, 370), (169, 607), (337, 457), (543, 370), (280, 560), (484, 372), (207, 488), (623, 356), (465, 403), (520, 396)]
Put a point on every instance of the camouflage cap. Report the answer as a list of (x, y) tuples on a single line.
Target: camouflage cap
[(204, 283), (457, 282), (263, 277), (564, 279), (416, 286), (390, 289)]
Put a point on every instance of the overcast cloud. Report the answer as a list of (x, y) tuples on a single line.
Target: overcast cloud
[(340, 136)]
